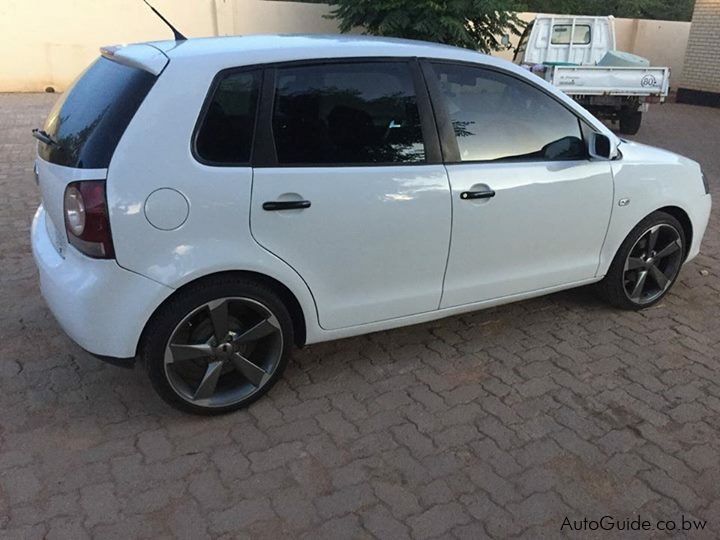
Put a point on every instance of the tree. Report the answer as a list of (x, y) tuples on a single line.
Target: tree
[(473, 24), (671, 10)]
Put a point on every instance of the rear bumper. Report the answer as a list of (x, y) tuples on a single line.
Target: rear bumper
[(100, 305)]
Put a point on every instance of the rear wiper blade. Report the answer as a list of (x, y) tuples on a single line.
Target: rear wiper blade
[(43, 136)]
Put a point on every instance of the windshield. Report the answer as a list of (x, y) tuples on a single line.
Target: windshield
[(89, 119)]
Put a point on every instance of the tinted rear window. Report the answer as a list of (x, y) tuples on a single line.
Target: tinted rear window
[(352, 113), (89, 119)]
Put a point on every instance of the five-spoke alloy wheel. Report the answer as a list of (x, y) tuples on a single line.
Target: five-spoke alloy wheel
[(647, 263), (218, 346), (653, 263)]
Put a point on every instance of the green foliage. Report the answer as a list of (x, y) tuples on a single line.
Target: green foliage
[(671, 10), (473, 24)]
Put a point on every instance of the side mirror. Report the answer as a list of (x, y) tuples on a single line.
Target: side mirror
[(601, 147), (505, 40)]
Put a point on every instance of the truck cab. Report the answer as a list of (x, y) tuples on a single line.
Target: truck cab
[(578, 55), (548, 39)]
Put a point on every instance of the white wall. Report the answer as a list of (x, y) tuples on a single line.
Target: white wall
[(48, 42)]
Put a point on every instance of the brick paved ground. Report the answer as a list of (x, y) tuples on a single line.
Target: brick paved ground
[(497, 424)]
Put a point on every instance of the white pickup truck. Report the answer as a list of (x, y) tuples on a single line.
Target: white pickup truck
[(577, 54)]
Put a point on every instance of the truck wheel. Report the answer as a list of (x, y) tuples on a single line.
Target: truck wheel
[(630, 122)]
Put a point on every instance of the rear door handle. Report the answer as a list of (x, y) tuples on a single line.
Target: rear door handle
[(271, 206), (485, 194)]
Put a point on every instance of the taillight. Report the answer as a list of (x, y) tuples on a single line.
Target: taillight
[(87, 221)]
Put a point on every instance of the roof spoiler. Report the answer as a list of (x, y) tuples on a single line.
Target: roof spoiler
[(143, 56)]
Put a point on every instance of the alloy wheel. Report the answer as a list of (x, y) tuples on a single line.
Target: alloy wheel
[(223, 352), (653, 264)]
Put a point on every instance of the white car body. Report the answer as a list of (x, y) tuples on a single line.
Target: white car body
[(381, 246)]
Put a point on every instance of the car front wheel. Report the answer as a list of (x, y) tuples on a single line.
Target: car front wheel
[(218, 346), (647, 263)]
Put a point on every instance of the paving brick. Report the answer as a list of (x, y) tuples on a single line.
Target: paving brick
[(401, 501), (540, 509), (492, 423), (295, 508), (100, 504), (276, 456), (381, 524), (538, 452), (619, 440), (438, 520), (665, 485), (702, 457), (240, 515), (346, 500)]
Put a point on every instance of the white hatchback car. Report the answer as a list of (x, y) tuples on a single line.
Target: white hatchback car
[(207, 204)]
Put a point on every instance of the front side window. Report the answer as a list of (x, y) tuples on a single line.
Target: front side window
[(225, 135), (355, 113), (497, 116), (561, 34)]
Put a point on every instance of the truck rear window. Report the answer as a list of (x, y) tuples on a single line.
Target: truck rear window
[(89, 119), (561, 34)]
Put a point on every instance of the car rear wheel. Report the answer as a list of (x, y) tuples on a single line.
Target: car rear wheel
[(647, 263), (218, 346)]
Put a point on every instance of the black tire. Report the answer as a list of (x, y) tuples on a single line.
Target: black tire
[(630, 122), (164, 322), (613, 286)]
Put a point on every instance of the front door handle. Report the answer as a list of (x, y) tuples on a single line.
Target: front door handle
[(271, 206), (484, 194)]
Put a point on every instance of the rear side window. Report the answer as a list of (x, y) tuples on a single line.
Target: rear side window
[(496, 116), (355, 113), (226, 133), (89, 119)]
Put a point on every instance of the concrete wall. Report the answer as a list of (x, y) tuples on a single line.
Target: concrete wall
[(702, 63), (46, 43)]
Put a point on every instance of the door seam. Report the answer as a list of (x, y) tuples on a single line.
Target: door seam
[(452, 223), (252, 235), (609, 223)]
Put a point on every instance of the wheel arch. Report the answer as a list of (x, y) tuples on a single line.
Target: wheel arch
[(286, 296), (619, 232), (684, 219)]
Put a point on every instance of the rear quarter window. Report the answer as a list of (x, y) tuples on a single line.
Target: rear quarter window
[(92, 115), (225, 134)]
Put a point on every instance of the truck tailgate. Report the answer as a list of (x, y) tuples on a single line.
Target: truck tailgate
[(611, 81)]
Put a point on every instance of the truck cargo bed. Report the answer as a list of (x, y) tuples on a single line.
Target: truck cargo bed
[(610, 81)]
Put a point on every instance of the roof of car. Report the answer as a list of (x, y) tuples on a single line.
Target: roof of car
[(285, 47)]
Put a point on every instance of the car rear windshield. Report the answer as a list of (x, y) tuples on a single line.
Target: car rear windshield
[(89, 119)]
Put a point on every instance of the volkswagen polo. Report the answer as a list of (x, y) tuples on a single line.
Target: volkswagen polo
[(209, 204)]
